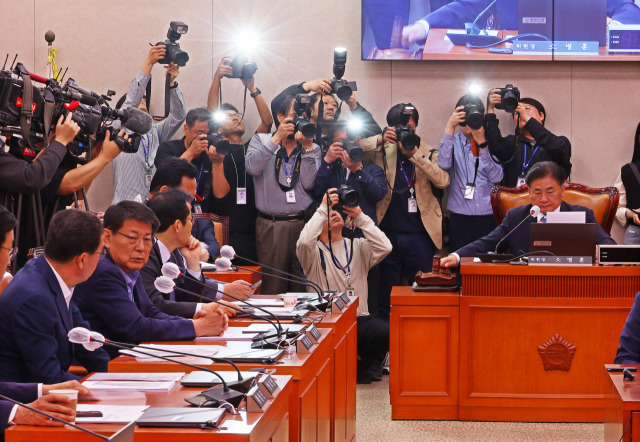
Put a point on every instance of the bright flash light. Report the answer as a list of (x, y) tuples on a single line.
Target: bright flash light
[(475, 89), (355, 124), (247, 42), (219, 116)]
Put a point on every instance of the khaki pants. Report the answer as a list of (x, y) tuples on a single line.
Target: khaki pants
[(276, 247)]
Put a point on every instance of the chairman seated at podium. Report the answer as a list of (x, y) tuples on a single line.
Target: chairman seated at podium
[(546, 190)]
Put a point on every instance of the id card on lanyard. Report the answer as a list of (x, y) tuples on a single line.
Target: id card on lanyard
[(146, 151), (525, 164), (412, 203)]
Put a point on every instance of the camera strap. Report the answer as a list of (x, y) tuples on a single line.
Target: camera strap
[(525, 163), (294, 176), (385, 167), (347, 270), (167, 95)]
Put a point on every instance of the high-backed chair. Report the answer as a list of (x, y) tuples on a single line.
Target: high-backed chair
[(220, 226), (603, 201)]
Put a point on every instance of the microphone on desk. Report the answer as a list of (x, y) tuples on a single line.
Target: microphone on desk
[(228, 252), (93, 340), (534, 211), (166, 284), (54, 418), (506, 257)]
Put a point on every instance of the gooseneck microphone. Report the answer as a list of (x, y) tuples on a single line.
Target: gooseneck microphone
[(228, 252), (80, 335), (534, 211), (53, 418)]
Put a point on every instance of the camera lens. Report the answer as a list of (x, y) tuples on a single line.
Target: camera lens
[(354, 151), (509, 101), (348, 196), (222, 146)]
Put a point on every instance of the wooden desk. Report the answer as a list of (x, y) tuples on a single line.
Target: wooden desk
[(272, 425), (518, 343), (344, 367), (309, 402), (437, 48), (623, 411), (234, 275)]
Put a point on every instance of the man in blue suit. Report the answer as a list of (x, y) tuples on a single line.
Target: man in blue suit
[(36, 396), (113, 300), (505, 16), (35, 309), (545, 180)]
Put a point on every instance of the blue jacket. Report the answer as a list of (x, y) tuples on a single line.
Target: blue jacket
[(24, 393), (204, 232), (629, 349), (34, 322), (520, 240), (104, 301)]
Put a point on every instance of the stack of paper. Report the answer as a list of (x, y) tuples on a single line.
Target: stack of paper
[(130, 385), (111, 414), (157, 350), (149, 377)]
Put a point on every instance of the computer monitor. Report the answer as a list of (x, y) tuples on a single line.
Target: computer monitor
[(564, 239)]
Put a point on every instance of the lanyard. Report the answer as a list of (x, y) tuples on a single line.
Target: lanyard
[(199, 175), (411, 182), (146, 150), (526, 163), (475, 172), (294, 175), (346, 272), (235, 166)]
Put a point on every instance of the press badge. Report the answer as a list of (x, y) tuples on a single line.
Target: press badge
[(147, 179), (469, 190), (197, 208), (413, 205), (350, 291), (241, 195), (521, 180), (291, 196)]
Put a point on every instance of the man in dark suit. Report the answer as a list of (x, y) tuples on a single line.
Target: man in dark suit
[(36, 396), (175, 244), (114, 300), (178, 173), (546, 189), (629, 349), (35, 309)]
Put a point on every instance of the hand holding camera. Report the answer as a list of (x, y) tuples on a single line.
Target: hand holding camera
[(198, 145), (173, 70), (223, 70), (109, 146), (285, 129), (156, 53), (353, 212), (350, 164), (334, 198), (509, 96), (321, 85), (457, 117), (67, 129), (523, 112), (306, 143), (493, 99), (214, 156), (334, 152), (389, 135)]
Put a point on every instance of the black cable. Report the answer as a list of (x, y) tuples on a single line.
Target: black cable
[(626, 428), (536, 252), (506, 40)]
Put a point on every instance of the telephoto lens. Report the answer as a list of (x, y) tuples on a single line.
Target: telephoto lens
[(348, 196), (474, 118), (510, 97), (354, 150), (407, 137), (222, 146)]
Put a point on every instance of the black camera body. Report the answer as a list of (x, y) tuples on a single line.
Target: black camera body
[(353, 149), (174, 53), (510, 96), (301, 122), (347, 196), (404, 134), (223, 147), (342, 88), (241, 67), (474, 118)]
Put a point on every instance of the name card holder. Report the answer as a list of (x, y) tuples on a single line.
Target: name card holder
[(337, 306), (560, 260), (269, 386), (313, 333), (304, 344), (256, 400), (345, 298)]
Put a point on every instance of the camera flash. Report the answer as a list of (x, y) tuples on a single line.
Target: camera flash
[(247, 42), (219, 116), (475, 89), (355, 124), (340, 49)]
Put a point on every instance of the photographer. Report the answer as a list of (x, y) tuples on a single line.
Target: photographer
[(132, 172), (628, 184), (472, 174), (283, 166), (326, 111), (353, 259), (410, 214), (534, 143)]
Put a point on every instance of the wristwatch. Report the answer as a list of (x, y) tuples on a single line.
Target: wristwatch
[(483, 145), (256, 93)]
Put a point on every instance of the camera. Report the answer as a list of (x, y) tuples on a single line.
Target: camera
[(300, 121), (353, 149), (474, 118), (342, 88), (241, 68), (404, 134), (174, 53), (510, 97), (348, 196), (222, 146)]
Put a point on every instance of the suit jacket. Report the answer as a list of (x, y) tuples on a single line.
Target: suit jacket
[(24, 393), (34, 322), (104, 301), (204, 232), (629, 349), (427, 171), (153, 268), (519, 241)]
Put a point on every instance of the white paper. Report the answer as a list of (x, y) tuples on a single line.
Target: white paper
[(566, 217), (261, 302), (157, 350), (230, 334), (150, 377), (129, 385), (261, 328), (464, 31), (111, 414)]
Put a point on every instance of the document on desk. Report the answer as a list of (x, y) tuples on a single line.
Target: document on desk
[(490, 32), (261, 302), (256, 328), (130, 385), (157, 350), (230, 334), (148, 377), (111, 414)]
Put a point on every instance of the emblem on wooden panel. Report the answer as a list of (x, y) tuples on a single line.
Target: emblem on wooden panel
[(557, 353)]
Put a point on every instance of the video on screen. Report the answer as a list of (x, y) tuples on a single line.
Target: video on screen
[(564, 30)]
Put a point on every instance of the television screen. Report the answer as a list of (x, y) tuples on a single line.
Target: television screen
[(568, 30)]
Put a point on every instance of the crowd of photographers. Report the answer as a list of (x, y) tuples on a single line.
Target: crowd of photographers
[(376, 196)]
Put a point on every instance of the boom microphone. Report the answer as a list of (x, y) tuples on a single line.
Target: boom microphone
[(137, 121)]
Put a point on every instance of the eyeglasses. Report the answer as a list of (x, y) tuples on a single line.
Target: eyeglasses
[(233, 115), (13, 251), (133, 240)]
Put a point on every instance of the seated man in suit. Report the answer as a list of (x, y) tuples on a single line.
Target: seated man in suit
[(179, 173), (114, 300), (546, 189), (629, 349), (174, 243), (36, 312), (36, 396)]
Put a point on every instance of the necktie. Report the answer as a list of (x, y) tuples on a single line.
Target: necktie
[(543, 220)]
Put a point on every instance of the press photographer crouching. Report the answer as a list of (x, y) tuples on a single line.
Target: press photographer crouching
[(472, 173), (409, 214), (342, 264), (532, 141)]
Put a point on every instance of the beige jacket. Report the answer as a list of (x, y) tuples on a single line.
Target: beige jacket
[(426, 170)]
